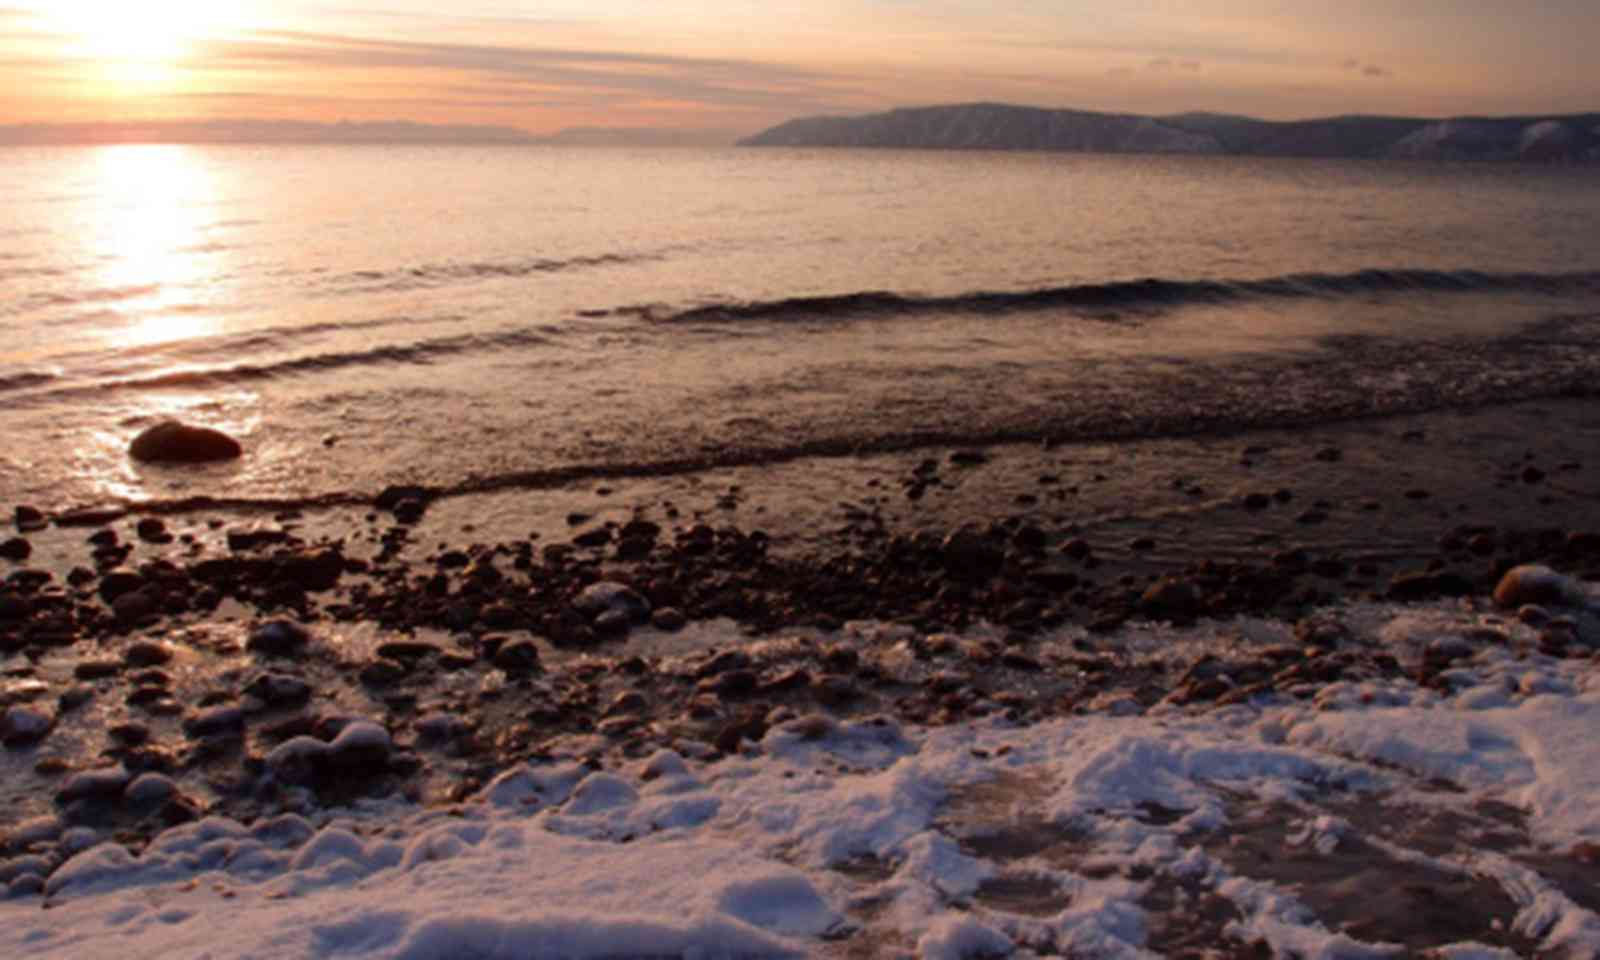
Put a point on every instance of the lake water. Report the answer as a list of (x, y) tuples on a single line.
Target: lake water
[(482, 316)]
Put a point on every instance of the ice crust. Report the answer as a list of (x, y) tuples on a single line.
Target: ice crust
[(828, 831)]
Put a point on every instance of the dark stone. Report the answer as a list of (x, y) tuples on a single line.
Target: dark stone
[(174, 442), (669, 619), (519, 656), (598, 537), (16, 549), (407, 650), (146, 653), (91, 517), (1424, 584), (410, 512), (313, 571), (393, 496), (1171, 599), (29, 519), (153, 530), (381, 673), (972, 554), (1257, 501), (249, 538), (115, 583), (223, 721), (613, 623), (280, 638), (13, 607), (277, 689)]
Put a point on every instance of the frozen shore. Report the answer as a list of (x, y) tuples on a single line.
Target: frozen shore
[(1365, 818)]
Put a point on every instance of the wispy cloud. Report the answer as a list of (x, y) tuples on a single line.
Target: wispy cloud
[(1371, 70), (708, 82)]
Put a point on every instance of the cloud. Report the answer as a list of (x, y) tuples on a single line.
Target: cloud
[(1167, 63), (691, 80), (1373, 70)]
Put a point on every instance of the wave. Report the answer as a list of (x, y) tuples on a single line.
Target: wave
[(1135, 295), (432, 275), (421, 352), (96, 295), (25, 380)]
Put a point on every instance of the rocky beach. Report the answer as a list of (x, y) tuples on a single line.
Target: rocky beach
[(249, 661)]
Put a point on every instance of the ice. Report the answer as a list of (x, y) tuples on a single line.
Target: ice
[(969, 841)]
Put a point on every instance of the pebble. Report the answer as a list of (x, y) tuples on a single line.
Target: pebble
[(29, 519), (278, 689), (97, 669), (518, 656), (16, 549), (222, 721), (146, 654), (101, 784), (439, 728), (610, 597), (1171, 598), (280, 638), (381, 673), (971, 553), (23, 725), (153, 530), (149, 789), (669, 619), (135, 605)]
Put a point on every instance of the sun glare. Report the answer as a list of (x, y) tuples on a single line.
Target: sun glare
[(158, 32)]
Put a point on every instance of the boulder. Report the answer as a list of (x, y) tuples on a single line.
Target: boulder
[(174, 442), (1539, 585)]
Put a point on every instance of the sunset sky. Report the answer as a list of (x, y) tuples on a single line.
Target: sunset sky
[(741, 65)]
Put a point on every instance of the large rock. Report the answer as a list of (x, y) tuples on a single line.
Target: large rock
[(1536, 584), (174, 442)]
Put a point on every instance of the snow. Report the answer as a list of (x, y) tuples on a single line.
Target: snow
[(833, 832)]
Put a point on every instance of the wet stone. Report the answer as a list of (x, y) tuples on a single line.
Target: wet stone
[(23, 725), (146, 654), (519, 656), (149, 789), (277, 689), (280, 638), (174, 442), (611, 597), (669, 619), (381, 673), (221, 721), (97, 669), (106, 783), (29, 519)]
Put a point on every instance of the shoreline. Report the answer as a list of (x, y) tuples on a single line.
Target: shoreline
[(170, 678), (138, 641)]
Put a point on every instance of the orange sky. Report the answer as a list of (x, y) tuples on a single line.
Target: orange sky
[(741, 65)]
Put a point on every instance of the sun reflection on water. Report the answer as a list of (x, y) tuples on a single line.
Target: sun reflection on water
[(149, 242), (152, 262)]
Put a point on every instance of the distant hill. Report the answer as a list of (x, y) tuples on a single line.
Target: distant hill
[(993, 126)]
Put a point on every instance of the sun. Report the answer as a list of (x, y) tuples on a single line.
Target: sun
[(152, 32)]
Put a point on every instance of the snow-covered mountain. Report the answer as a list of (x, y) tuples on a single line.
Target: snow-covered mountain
[(991, 126)]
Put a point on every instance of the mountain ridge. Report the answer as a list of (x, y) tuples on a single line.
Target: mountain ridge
[(1570, 138)]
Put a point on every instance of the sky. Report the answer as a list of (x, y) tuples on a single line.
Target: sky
[(739, 66)]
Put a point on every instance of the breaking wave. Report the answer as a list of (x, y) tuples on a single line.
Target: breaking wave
[(1146, 294)]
